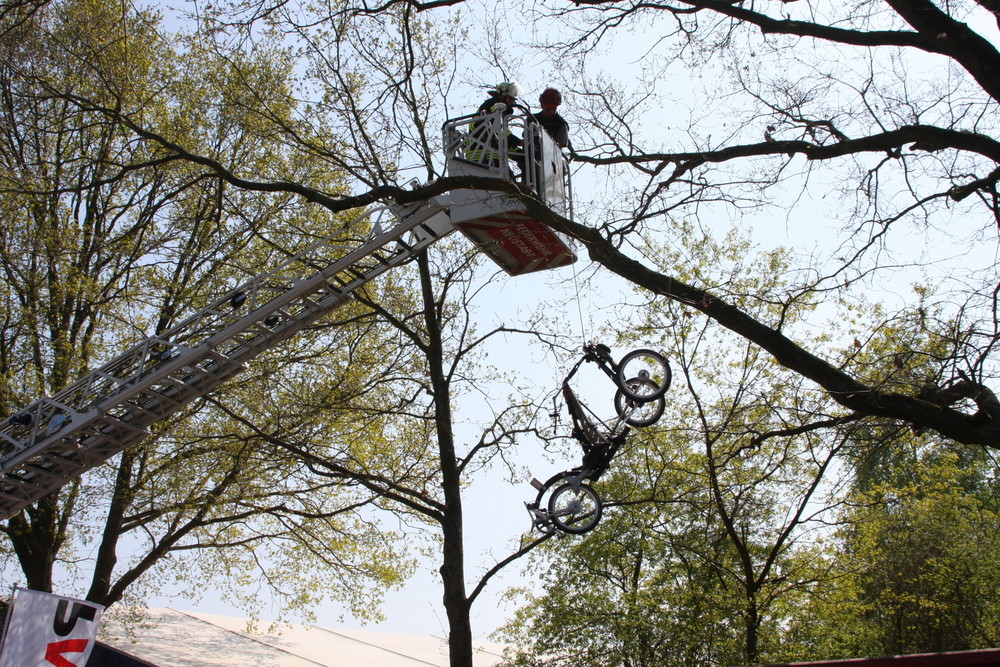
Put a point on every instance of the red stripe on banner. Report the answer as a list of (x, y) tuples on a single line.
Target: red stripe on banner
[(54, 652)]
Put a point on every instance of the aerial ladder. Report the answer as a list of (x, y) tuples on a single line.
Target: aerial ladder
[(57, 438)]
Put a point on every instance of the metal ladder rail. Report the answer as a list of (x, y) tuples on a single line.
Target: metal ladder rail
[(56, 439)]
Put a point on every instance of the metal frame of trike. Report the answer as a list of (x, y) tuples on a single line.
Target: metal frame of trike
[(598, 451)]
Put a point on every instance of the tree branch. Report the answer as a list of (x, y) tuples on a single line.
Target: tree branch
[(979, 428)]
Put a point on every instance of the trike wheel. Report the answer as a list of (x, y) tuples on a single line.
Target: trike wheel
[(644, 365), (639, 413), (575, 510)]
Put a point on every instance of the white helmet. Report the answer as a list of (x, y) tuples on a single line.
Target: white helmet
[(508, 88)]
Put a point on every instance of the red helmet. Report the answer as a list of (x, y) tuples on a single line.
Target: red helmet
[(550, 97)]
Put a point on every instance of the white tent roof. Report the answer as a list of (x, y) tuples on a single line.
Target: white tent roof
[(190, 639)]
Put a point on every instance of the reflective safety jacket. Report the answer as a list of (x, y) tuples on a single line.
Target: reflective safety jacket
[(483, 148)]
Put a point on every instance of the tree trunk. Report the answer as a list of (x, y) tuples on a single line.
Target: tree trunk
[(752, 620), (107, 552), (456, 600), (37, 534)]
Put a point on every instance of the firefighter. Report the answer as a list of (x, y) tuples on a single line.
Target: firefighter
[(503, 93), (549, 117), (501, 98)]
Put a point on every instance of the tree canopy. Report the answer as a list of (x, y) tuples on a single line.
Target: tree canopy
[(105, 242), (805, 97)]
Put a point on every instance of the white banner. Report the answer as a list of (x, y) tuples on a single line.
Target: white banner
[(46, 630)]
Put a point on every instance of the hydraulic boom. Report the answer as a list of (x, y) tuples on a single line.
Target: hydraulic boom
[(58, 438)]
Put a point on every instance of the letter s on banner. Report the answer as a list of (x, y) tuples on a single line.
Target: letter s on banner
[(47, 630)]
